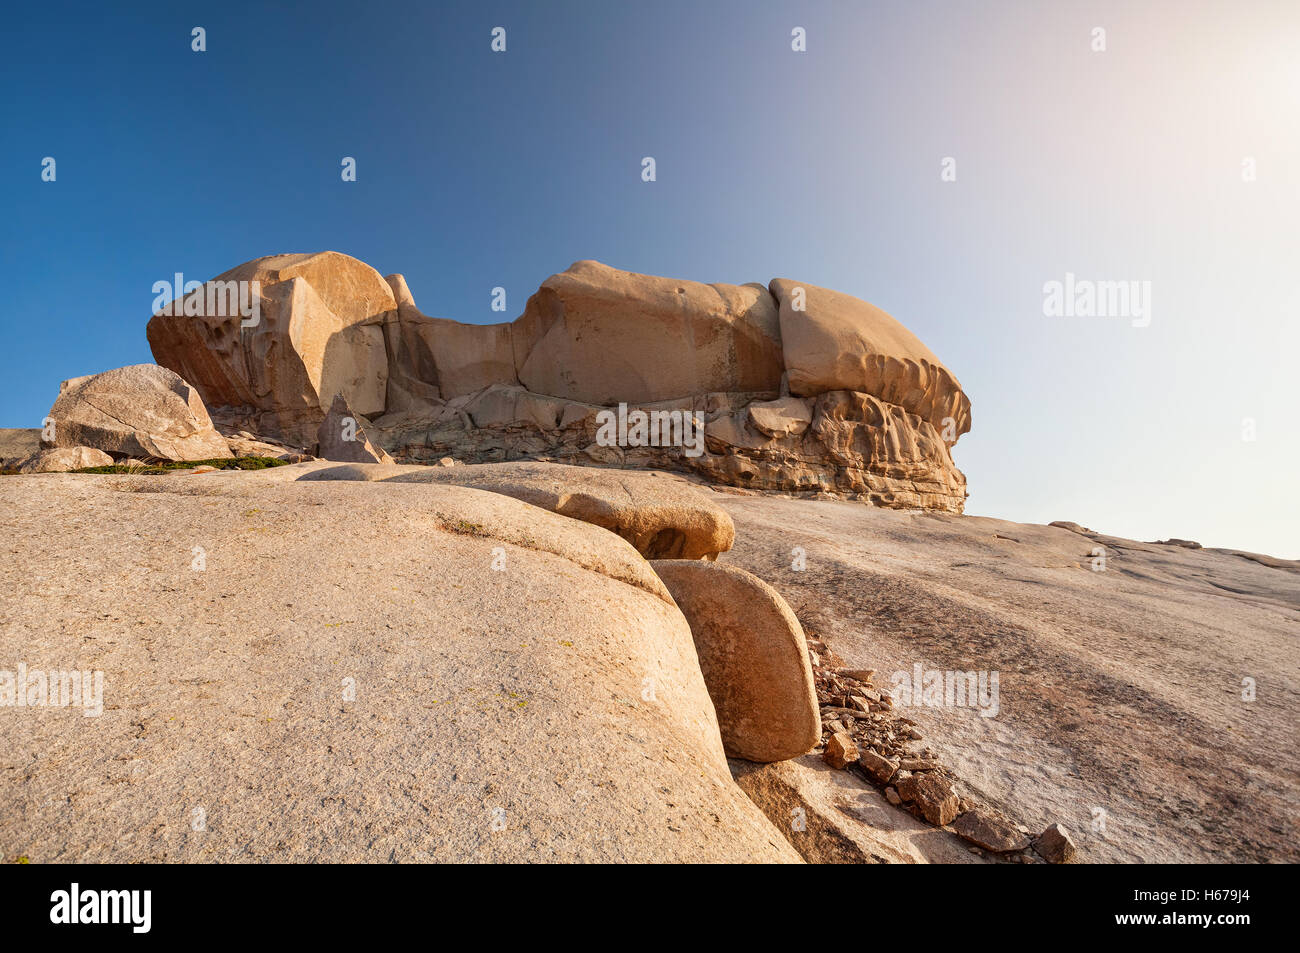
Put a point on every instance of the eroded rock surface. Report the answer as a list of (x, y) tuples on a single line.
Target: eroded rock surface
[(63, 459), (342, 436), (660, 515), (143, 410), (870, 412), (1120, 691)]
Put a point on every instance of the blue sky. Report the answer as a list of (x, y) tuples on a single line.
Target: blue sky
[(478, 169)]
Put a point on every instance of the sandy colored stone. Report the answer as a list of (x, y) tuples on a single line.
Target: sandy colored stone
[(599, 335), (142, 410), (882, 769), (840, 750), (786, 416), (990, 831), (839, 342), (468, 357), (1093, 714), (17, 443), (932, 794), (856, 445), (342, 436), (497, 717), (361, 472), (754, 658), (246, 445), (63, 459), (1055, 845), (505, 405), (833, 817), (662, 516), (866, 419), (319, 333)]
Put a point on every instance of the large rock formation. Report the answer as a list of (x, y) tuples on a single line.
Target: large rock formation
[(139, 411), (317, 331), (413, 673), (797, 388), (598, 335)]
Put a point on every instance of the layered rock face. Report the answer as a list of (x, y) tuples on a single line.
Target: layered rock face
[(793, 387)]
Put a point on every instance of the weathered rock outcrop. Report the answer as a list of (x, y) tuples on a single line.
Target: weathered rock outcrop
[(833, 341), (798, 388), (63, 459), (138, 411), (318, 331), (18, 443), (342, 436), (660, 515)]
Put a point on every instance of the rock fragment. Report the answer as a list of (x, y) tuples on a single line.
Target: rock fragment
[(932, 795), (342, 436), (840, 750), (1055, 845), (987, 830), (140, 411), (882, 769)]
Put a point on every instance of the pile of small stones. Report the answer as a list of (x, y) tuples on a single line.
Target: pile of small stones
[(862, 733)]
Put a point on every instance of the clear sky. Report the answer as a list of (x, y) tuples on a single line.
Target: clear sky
[(477, 169)]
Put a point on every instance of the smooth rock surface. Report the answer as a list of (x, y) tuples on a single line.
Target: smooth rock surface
[(600, 335), (754, 658), (1119, 689), (349, 679)]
